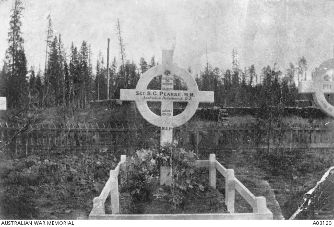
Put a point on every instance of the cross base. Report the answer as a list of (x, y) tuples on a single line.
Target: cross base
[(166, 175)]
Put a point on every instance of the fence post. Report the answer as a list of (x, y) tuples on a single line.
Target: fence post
[(261, 205), (230, 190), (26, 147), (98, 207), (114, 195), (197, 141), (212, 171)]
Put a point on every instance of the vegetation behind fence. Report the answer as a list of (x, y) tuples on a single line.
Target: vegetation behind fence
[(126, 138)]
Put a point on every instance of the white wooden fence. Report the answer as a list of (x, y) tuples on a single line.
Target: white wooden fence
[(232, 184)]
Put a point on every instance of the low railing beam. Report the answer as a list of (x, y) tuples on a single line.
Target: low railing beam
[(98, 207)]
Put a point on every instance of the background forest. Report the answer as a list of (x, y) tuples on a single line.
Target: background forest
[(74, 79)]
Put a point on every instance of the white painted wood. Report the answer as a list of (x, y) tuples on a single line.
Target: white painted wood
[(165, 175), (114, 194), (258, 203), (230, 190), (3, 103), (202, 163), (261, 205), (320, 85), (221, 169), (167, 96), (245, 193), (98, 207), (212, 171), (106, 190), (111, 187), (123, 159)]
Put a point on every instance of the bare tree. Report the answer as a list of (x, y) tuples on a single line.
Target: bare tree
[(122, 51)]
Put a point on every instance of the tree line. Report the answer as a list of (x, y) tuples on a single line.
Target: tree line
[(237, 88), (69, 79)]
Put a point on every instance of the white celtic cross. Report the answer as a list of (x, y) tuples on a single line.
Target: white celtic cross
[(321, 84), (167, 96)]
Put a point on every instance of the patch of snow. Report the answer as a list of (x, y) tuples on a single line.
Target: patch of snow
[(308, 195), (323, 178)]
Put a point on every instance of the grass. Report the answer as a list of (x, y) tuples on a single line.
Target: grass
[(62, 186), (288, 184), (53, 186)]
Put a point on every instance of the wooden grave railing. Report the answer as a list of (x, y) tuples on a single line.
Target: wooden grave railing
[(232, 184)]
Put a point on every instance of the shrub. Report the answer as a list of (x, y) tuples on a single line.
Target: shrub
[(141, 179)]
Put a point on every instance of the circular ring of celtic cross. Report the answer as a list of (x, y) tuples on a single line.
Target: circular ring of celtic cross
[(168, 121), (322, 83)]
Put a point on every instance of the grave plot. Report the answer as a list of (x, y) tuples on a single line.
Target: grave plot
[(133, 190), (167, 185)]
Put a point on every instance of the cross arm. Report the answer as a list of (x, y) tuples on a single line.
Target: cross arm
[(128, 94), (170, 95), (206, 96)]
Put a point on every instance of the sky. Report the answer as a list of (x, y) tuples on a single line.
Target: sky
[(262, 31)]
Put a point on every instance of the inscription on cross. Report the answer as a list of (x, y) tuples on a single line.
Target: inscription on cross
[(321, 84), (167, 96)]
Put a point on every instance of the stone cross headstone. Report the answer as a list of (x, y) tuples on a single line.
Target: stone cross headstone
[(321, 84), (167, 96), (3, 103)]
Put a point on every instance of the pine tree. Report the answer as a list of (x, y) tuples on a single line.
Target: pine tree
[(67, 85), (291, 74), (84, 74), (101, 80), (32, 86), (16, 83), (90, 75), (153, 63), (3, 79), (74, 70), (62, 61), (39, 88), (53, 75), (143, 65), (252, 76), (132, 74), (302, 67), (49, 39), (97, 80)]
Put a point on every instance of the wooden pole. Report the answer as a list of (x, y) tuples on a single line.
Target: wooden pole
[(212, 171), (114, 194), (230, 190), (261, 205), (108, 78)]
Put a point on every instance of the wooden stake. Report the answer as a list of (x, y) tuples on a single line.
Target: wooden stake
[(212, 171), (230, 190)]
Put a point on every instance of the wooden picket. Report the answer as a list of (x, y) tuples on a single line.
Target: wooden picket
[(90, 136)]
